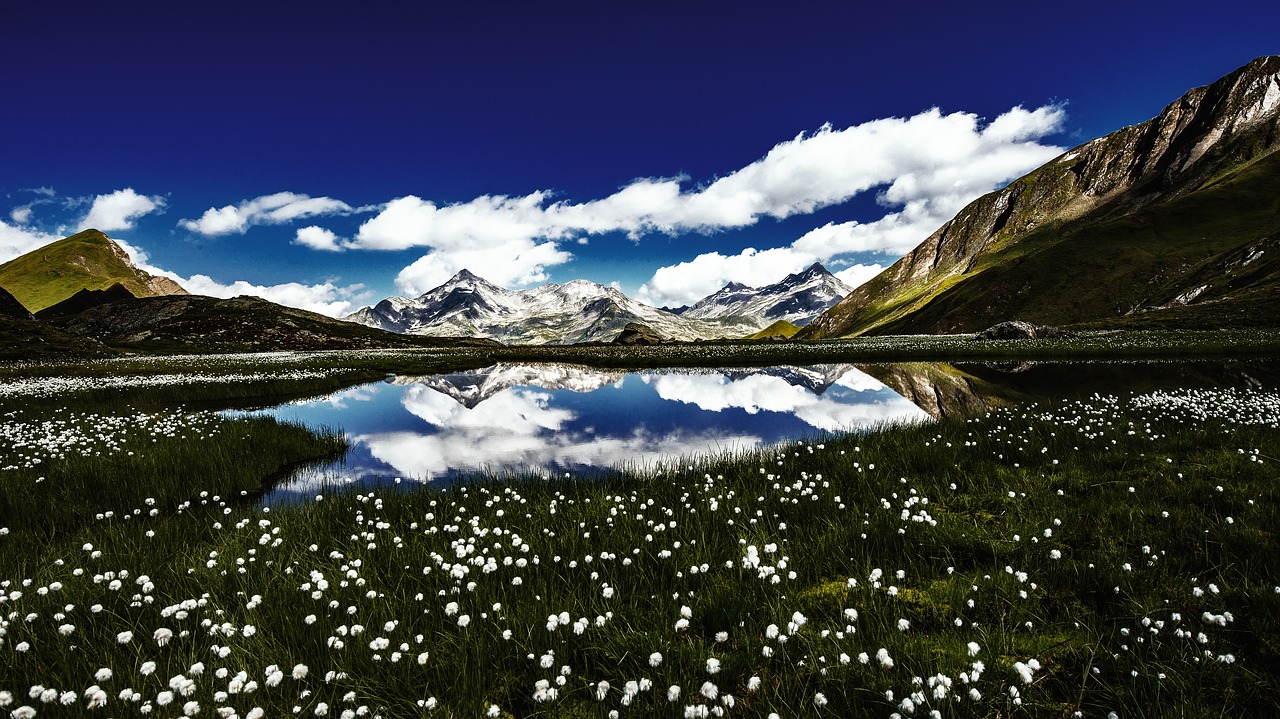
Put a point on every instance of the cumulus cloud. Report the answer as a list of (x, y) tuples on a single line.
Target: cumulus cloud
[(275, 209), (18, 240), (118, 210), (930, 166), (326, 298), (318, 238), (513, 264), (925, 166), (857, 275)]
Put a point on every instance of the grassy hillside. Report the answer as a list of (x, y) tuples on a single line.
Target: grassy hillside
[(1172, 212), (85, 260), (1118, 272), (781, 328)]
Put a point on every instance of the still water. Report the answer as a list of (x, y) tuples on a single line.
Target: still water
[(562, 418), (553, 418)]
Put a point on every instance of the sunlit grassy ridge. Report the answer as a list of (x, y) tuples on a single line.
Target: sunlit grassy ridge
[(1092, 556)]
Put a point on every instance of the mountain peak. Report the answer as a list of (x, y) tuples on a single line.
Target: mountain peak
[(464, 275), (87, 260)]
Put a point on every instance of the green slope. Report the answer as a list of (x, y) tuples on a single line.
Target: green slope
[(1169, 223), (87, 260), (1118, 272), (781, 328)]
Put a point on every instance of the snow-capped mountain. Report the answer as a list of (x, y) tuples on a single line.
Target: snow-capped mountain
[(797, 298), (577, 311)]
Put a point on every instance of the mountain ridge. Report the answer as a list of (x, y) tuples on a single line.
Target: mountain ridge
[(583, 311), (1219, 135), (573, 312), (87, 260), (797, 299)]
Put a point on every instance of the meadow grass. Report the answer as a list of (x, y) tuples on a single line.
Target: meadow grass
[(1046, 560)]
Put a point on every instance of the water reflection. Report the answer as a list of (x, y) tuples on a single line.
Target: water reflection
[(967, 389), (557, 418)]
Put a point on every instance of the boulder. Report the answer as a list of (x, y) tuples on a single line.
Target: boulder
[(1019, 330), (636, 333)]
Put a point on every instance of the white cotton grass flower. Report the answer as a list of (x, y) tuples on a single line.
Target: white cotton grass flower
[(973, 649), (655, 659), (713, 665), (300, 671)]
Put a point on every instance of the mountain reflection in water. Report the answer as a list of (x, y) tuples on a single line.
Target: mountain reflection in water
[(553, 418)]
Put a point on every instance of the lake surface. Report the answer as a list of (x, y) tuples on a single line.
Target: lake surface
[(554, 418), (561, 418)]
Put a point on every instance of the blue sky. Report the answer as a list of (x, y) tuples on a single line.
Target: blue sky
[(326, 156)]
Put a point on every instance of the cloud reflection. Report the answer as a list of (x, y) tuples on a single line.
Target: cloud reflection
[(518, 428), (756, 393), (556, 418)]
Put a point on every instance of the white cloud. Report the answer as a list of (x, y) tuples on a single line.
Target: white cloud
[(21, 215), (326, 298), (318, 238), (119, 210), (275, 209), (16, 240), (933, 165), (511, 264), (929, 165), (857, 275), (688, 282)]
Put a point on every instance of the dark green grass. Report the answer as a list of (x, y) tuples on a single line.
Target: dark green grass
[(993, 489), (144, 469)]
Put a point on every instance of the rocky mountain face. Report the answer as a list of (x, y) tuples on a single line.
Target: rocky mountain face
[(88, 260), (798, 299), (1165, 214), (577, 311)]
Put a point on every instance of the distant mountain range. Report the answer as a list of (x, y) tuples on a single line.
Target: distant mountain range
[(797, 299), (583, 311), (1171, 223)]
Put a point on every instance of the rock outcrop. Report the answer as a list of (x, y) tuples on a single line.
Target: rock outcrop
[(638, 334)]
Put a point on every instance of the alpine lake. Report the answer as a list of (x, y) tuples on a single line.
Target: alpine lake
[(546, 419)]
